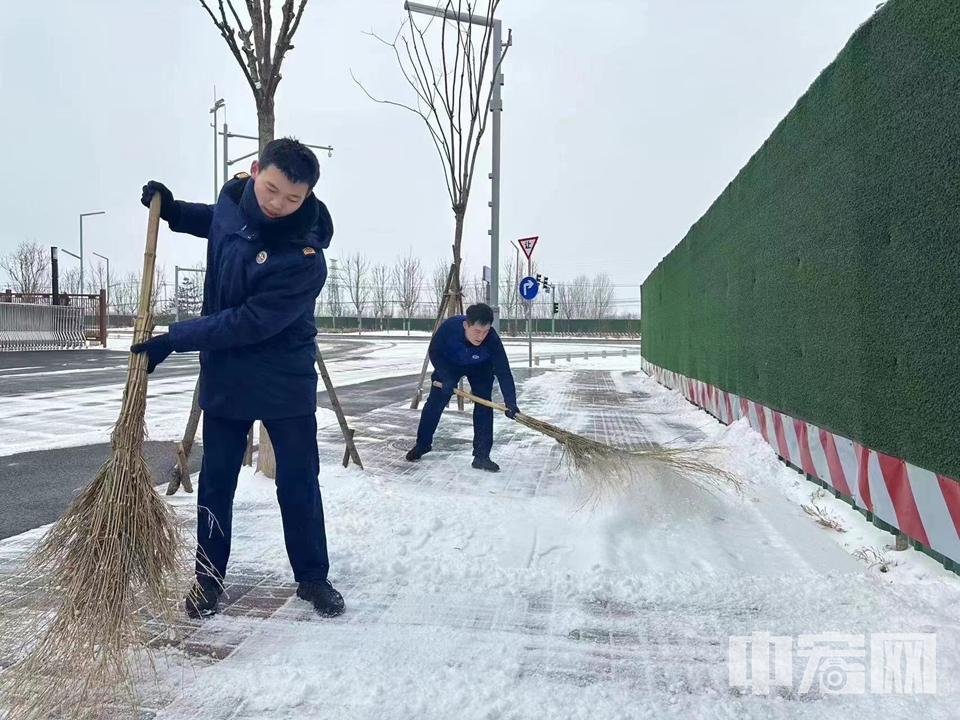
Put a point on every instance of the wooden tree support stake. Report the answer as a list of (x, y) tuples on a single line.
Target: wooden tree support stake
[(351, 450)]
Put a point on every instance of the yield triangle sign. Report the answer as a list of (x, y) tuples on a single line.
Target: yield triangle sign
[(528, 244)]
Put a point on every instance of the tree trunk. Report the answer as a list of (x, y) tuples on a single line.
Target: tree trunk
[(455, 303), (266, 460), (266, 119)]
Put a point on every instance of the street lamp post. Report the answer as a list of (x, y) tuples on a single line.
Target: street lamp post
[(227, 162), (217, 104), (496, 107), (82, 216), (104, 257)]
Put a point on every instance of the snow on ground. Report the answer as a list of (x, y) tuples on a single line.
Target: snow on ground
[(71, 418), (472, 595)]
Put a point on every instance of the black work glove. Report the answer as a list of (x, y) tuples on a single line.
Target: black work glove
[(169, 210), (157, 349), (512, 410)]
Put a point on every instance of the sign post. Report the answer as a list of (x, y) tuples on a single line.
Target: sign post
[(527, 245)]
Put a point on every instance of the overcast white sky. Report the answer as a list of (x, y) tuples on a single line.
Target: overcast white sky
[(623, 120)]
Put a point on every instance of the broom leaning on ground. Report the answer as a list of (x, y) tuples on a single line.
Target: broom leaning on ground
[(611, 469), (114, 554)]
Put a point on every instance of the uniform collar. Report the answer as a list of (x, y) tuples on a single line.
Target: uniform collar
[(292, 228)]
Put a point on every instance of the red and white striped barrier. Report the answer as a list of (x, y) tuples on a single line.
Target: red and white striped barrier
[(923, 505)]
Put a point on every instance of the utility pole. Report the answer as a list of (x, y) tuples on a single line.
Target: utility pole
[(217, 104), (82, 216)]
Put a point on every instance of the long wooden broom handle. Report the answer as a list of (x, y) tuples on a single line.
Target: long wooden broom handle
[(479, 400)]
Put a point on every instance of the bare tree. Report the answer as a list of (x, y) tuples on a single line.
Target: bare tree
[(380, 291), (438, 282), (408, 284), (509, 299), (126, 294), (476, 291), (254, 50), (27, 268), (452, 99), (602, 296), (97, 276), (160, 301), (564, 299), (70, 281), (580, 299), (356, 268)]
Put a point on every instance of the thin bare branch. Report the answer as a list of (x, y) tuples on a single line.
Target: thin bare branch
[(227, 32), (433, 91), (249, 52), (256, 28), (267, 34), (437, 141), (288, 27)]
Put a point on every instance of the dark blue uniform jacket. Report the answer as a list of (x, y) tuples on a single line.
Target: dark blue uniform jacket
[(453, 356), (256, 335)]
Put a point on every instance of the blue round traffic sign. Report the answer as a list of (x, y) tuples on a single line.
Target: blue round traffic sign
[(529, 287)]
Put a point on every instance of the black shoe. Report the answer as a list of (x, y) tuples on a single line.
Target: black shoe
[(326, 601), (202, 599), (416, 453), (486, 463)]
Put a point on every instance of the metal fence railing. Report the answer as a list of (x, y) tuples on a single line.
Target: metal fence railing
[(26, 326), (93, 308)]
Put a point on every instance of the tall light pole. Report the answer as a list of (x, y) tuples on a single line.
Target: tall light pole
[(217, 104), (227, 162), (82, 216), (104, 257), (496, 107)]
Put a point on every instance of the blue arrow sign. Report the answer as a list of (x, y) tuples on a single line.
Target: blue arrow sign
[(529, 288)]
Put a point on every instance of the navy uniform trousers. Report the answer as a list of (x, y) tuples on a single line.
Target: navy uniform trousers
[(298, 491), (481, 384)]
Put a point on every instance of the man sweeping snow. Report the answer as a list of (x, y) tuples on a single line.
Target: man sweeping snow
[(265, 269), (467, 345)]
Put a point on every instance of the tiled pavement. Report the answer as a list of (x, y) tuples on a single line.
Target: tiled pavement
[(569, 641)]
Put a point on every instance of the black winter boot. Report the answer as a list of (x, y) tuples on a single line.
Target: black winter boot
[(416, 453), (326, 601), (202, 599), (485, 463)]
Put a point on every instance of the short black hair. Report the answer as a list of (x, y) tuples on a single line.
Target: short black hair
[(294, 159), (479, 314)]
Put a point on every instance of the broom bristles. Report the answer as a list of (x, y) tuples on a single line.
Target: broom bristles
[(609, 469), (115, 556)]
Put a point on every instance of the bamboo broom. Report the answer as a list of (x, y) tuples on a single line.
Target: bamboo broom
[(109, 562), (613, 469)]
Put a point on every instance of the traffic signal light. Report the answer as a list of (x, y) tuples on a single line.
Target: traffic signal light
[(556, 308)]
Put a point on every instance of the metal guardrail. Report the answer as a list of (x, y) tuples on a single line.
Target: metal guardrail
[(94, 309), (26, 326)]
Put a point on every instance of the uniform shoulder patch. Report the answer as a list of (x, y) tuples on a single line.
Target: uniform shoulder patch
[(241, 175), (309, 251)]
